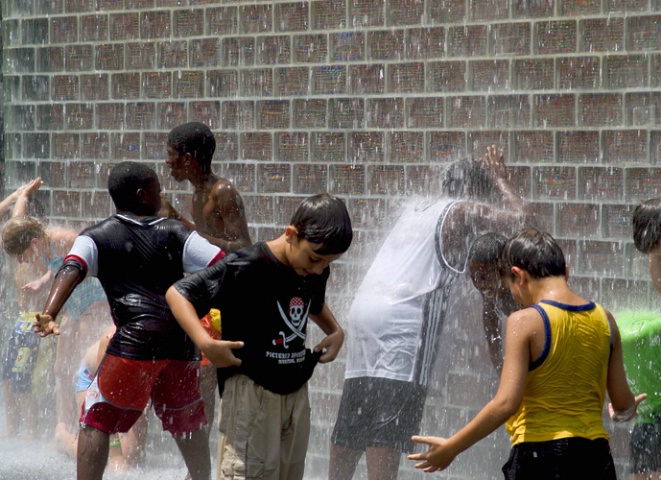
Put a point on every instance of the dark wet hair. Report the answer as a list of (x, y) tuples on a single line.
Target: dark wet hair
[(534, 251), (324, 219), (124, 181), (19, 232), (647, 225), (486, 248), (466, 178), (194, 138)]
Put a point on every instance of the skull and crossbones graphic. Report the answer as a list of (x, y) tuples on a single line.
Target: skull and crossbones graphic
[(296, 321)]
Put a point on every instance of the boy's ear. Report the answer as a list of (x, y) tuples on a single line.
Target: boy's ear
[(291, 233), (188, 158), (519, 274)]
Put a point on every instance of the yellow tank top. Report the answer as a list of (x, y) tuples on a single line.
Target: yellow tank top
[(566, 387)]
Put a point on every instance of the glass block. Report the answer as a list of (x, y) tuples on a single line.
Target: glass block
[(238, 115), (256, 82), (489, 9), (643, 33), (446, 146), (329, 80), (579, 147), (577, 220), (466, 112), (448, 76), (599, 183), (507, 111), (238, 51), (347, 179), (309, 113), (274, 178), (386, 45), (600, 109), (256, 146), (205, 52), (273, 114), (489, 75), (255, 18), (446, 11), (310, 48), (555, 183), (642, 183), (223, 83), (467, 41), (366, 147), (406, 147), (368, 79), (366, 13), (533, 147), (222, 21), (293, 147), (617, 221), (329, 147), (554, 110), (291, 17), (405, 12), (601, 258), (293, 81), (406, 77), (424, 112), (625, 146), (347, 113), (555, 37), (601, 35), (626, 71), (348, 46), (385, 113), (423, 43), (533, 74), (328, 14), (310, 179), (386, 180), (273, 50)]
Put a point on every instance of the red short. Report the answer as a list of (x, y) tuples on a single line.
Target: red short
[(122, 387)]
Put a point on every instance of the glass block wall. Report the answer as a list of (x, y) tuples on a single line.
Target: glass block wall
[(365, 99)]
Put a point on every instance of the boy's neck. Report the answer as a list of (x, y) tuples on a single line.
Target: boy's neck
[(278, 249), (553, 288)]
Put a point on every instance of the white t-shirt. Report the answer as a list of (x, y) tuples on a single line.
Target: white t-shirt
[(399, 307)]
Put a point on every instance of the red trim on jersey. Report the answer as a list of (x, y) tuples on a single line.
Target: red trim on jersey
[(78, 259), (217, 258)]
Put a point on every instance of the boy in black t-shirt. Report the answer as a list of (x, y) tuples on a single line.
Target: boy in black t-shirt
[(265, 294)]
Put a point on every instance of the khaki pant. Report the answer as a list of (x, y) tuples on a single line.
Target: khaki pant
[(262, 434)]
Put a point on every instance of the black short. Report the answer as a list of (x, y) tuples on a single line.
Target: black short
[(379, 412), (567, 459), (645, 447)]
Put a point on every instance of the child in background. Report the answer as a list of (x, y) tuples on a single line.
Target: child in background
[(265, 294), (126, 450), (645, 444), (562, 353)]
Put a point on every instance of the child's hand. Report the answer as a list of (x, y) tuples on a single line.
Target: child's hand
[(627, 414), (33, 286), (438, 457), (31, 188), (219, 352), (45, 325), (330, 346), (494, 161)]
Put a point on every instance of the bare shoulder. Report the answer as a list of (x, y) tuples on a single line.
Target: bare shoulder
[(62, 235), (526, 321)]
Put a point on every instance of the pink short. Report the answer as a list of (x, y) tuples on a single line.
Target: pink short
[(122, 387)]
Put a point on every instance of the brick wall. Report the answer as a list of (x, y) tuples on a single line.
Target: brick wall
[(364, 98)]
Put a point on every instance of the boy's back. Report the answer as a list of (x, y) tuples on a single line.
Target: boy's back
[(136, 261)]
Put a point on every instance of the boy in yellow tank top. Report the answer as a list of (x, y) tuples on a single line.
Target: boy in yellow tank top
[(562, 353)]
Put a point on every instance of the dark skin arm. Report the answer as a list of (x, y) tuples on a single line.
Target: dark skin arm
[(66, 281)]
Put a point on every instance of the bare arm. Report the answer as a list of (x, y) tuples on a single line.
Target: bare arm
[(19, 198), (623, 404), (66, 280), (442, 451), (219, 352), (334, 339)]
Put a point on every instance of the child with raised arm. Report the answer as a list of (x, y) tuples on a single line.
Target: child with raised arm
[(265, 294), (562, 353), (137, 256)]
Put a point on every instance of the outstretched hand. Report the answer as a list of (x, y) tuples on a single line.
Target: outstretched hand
[(494, 161), (31, 187), (45, 325), (437, 458)]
